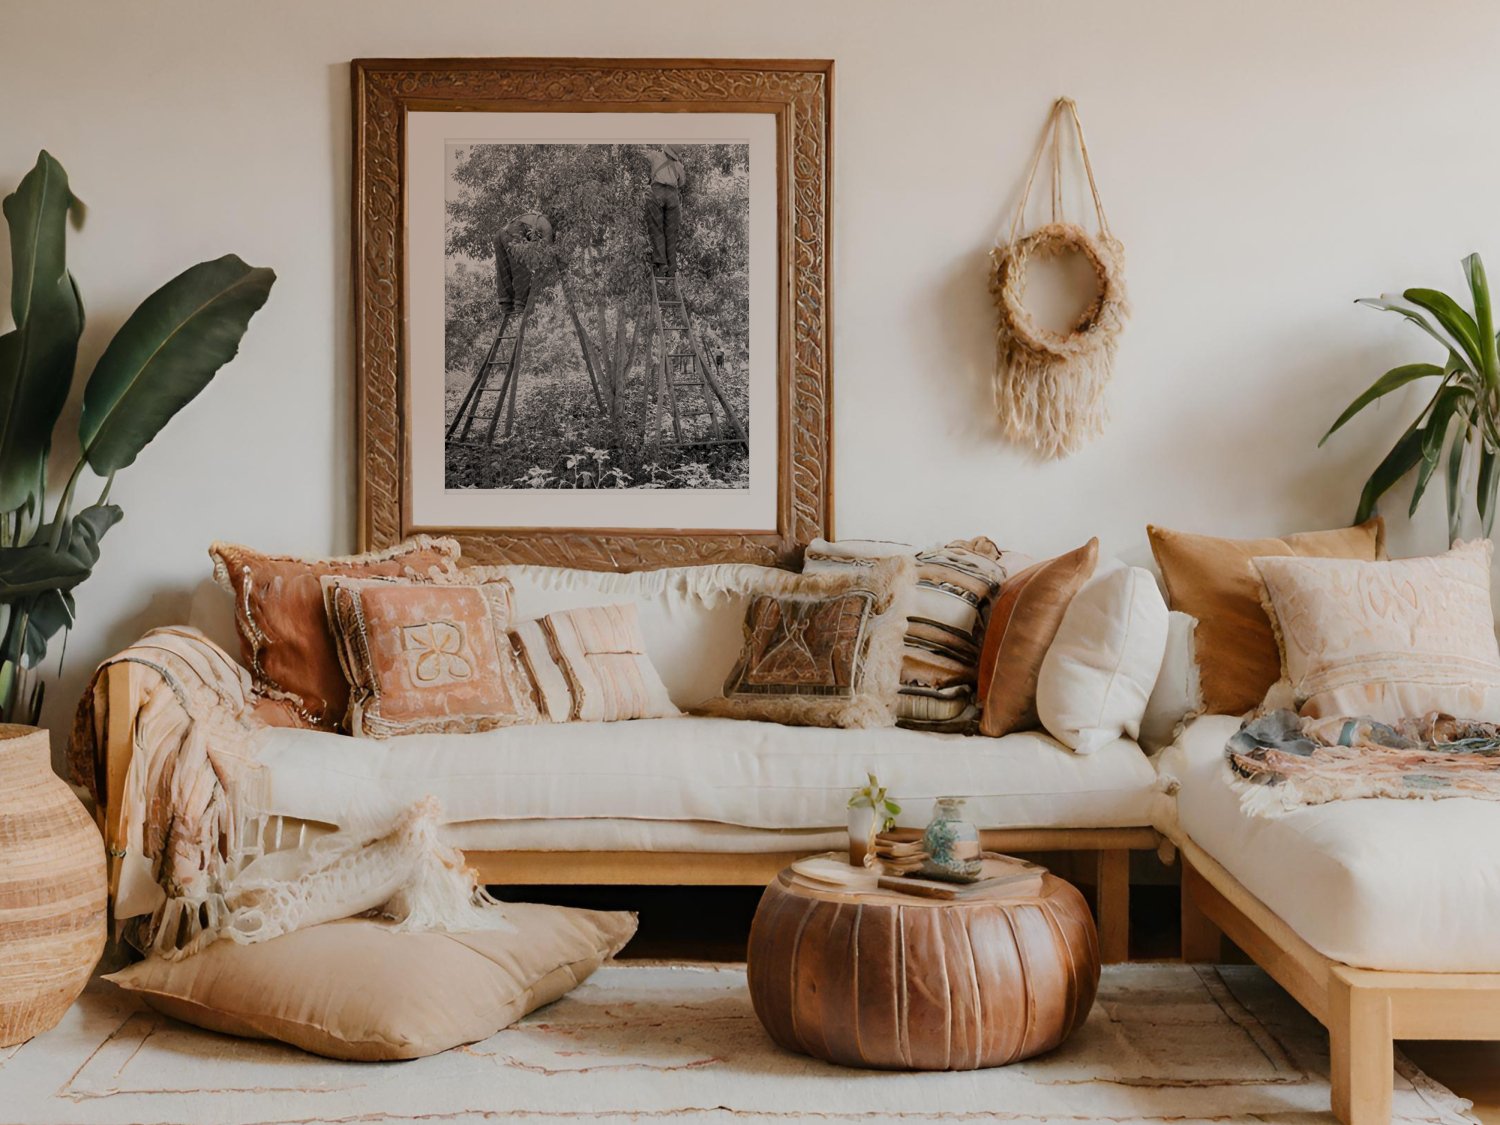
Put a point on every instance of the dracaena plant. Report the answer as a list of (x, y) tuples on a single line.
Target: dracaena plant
[(163, 355), (1457, 427)]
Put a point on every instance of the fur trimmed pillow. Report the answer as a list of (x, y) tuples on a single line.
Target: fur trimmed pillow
[(823, 649), (285, 639)]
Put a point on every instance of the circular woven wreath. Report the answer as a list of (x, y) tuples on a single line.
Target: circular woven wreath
[(1096, 326)]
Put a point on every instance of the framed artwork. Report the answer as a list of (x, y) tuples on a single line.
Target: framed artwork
[(591, 304)]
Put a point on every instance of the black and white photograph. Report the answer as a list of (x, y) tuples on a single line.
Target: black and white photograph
[(596, 315)]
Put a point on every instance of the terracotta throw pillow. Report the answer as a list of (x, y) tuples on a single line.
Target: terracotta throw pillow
[(1388, 640), (1215, 581), (357, 990), (590, 665), (285, 640), (823, 649), (1026, 617), (425, 657)]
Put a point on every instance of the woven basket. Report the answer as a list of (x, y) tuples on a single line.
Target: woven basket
[(52, 889)]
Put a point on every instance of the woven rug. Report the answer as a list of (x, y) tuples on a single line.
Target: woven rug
[(640, 1042)]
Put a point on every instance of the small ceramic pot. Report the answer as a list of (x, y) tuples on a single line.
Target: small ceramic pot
[(861, 832), (951, 843)]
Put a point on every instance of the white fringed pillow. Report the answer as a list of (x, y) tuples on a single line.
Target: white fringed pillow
[(1098, 673), (1387, 640)]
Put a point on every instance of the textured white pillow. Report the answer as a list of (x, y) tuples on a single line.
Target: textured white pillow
[(1098, 674), (1178, 694)]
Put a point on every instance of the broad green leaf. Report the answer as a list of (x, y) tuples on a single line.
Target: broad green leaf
[(37, 356), (1454, 319), (35, 568), (49, 612), (81, 534), (1391, 302), (1455, 475), (166, 353), (1448, 402), (1484, 316), (1402, 458), (1393, 379), (1488, 480)]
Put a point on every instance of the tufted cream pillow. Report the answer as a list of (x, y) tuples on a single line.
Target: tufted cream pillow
[(1390, 640)]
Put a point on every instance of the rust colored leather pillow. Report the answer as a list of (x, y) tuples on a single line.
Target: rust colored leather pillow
[(1215, 581), (285, 640), (1023, 622)]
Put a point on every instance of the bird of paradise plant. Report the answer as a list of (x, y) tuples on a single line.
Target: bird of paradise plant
[(1458, 426)]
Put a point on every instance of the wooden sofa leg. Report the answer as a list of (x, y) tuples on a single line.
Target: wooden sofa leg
[(1202, 941), (1112, 886), (1361, 1052)]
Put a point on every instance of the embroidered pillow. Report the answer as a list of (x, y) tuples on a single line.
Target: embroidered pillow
[(284, 635), (1023, 623), (823, 649), (1214, 580), (1388, 640), (955, 586), (424, 657), (590, 665)]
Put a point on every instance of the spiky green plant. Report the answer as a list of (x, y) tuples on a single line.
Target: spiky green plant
[(163, 355), (1457, 427)]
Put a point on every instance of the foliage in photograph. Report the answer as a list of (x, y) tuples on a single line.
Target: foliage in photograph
[(589, 407)]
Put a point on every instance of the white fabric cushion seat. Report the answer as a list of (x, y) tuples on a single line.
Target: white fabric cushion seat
[(728, 771), (1409, 885)]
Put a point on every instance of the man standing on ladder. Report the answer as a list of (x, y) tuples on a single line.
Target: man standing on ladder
[(664, 207), (513, 273)]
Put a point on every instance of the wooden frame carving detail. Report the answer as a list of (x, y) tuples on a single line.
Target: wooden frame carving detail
[(797, 92)]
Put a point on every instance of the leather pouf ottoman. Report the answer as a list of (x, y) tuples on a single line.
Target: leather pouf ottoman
[(889, 980)]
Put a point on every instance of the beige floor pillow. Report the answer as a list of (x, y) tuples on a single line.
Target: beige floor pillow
[(356, 990)]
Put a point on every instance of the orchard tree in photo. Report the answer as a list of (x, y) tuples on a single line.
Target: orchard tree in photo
[(585, 372)]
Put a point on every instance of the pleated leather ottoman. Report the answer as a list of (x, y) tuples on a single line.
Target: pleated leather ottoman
[(888, 980)]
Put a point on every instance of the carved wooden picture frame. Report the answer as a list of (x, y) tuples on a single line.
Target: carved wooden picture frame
[(389, 97)]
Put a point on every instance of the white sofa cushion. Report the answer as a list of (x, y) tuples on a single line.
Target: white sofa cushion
[(731, 771), (1101, 665), (1378, 884)]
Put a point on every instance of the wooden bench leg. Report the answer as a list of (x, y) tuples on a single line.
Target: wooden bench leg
[(1361, 1052), (1112, 886), (1202, 941)]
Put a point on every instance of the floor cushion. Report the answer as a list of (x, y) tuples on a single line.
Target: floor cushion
[(358, 990), (1376, 883)]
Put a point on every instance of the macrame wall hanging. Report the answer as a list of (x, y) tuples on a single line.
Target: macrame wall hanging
[(1049, 386)]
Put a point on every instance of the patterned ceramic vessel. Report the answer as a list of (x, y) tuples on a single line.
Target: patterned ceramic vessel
[(52, 889), (951, 843)]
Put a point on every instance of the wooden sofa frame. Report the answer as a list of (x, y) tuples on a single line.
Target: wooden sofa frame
[(1111, 846), (1364, 1010)]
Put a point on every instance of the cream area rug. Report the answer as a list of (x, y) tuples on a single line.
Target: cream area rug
[(643, 1042)]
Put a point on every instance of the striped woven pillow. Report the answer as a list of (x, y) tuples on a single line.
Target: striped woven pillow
[(956, 584)]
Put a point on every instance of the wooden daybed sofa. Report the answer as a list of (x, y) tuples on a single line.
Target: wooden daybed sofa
[(671, 801), (1379, 916)]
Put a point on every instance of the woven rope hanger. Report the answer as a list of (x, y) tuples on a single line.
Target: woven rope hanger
[(1049, 386)]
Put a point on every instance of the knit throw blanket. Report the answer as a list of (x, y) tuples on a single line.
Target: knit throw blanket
[(193, 857), (1280, 761)]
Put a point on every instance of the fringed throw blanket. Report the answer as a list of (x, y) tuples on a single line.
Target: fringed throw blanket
[(1281, 761), (190, 840)]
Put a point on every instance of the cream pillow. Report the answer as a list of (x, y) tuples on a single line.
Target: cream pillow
[(357, 990), (1178, 695), (1388, 640), (1099, 670)]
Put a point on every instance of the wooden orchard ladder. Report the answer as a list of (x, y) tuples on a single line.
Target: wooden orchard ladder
[(504, 356), (683, 368)]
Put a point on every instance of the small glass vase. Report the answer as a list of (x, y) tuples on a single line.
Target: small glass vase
[(951, 843)]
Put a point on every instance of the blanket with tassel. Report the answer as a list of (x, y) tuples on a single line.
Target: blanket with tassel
[(193, 859), (1281, 761)]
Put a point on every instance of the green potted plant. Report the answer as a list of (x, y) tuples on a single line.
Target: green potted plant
[(871, 811), (1457, 427), (164, 354)]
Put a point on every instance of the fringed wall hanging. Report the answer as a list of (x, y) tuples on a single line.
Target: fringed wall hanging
[(1049, 386)]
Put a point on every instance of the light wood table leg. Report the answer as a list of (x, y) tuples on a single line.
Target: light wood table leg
[(1361, 1050), (1202, 941), (1112, 886)]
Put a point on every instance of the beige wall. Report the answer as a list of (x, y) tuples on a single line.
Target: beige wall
[(1264, 164)]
